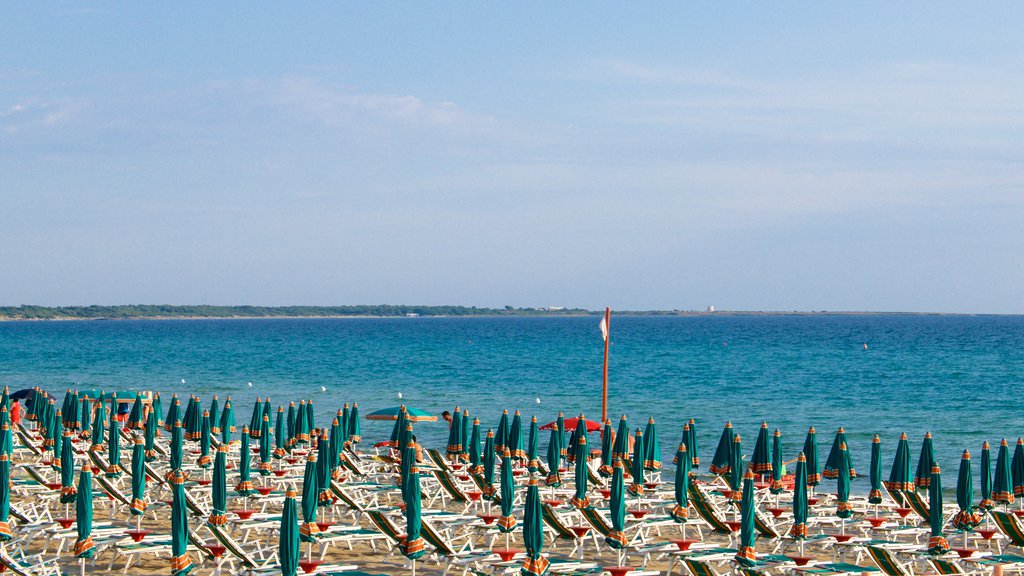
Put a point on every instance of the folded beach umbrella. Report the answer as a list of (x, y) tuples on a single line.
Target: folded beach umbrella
[(581, 450), (413, 546), (465, 436), (455, 435), (761, 459), (831, 469), (219, 490), (475, 465), (214, 412), (177, 455), (152, 423), (265, 467), (204, 460), (5, 487), (302, 428), (323, 471), (745, 554), (254, 419), (937, 544), (51, 419), (721, 461), (533, 530), (68, 492), (135, 421), (923, 474), (691, 444), (1017, 470), (736, 472), (310, 417), (193, 420), (562, 438), (396, 430), (157, 407), (309, 531), (84, 546), (266, 409), (554, 460), (279, 435), (114, 469), (652, 448), (405, 434), (986, 478), (777, 486), (636, 486), (244, 486), (531, 445), (680, 511), (292, 425), (138, 505), (501, 434), (899, 476), (227, 421), (85, 418), (843, 507), (811, 455), (1002, 486), (966, 518), (616, 538), (507, 522), (173, 413), (405, 465), (799, 528), (620, 449), (605, 469), (335, 442), (180, 562), (875, 495), (354, 430), (69, 410), (488, 472), (58, 439), (288, 541), (346, 414), (99, 418), (514, 439)]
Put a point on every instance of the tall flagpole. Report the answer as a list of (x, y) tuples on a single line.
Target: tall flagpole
[(607, 333)]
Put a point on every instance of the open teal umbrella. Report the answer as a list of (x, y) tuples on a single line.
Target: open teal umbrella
[(84, 546), (1002, 488), (761, 459), (580, 453), (264, 466), (152, 423), (636, 486), (279, 435), (533, 531), (515, 437), (923, 475), (777, 487), (875, 495), (681, 510), (180, 562), (831, 469), (985, 478), (554, 460), (309, 531), (288, 541), (798, 530), (138, 505), (810, 452), (937, 544), (501, 435), (616, 538), (227, 421), (488, 472), (219, 491), (354, 431), (214, 412), (475, 465), (966, 518), (899, 476), (745, 554), (620, 449), (244, 486), (413, 546), (721, 461), (652, 448), (204, 460), (691, 444), (507, 522), (114, 469), (68, 492), (531, 445)]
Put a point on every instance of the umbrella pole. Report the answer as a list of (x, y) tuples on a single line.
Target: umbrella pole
[(414, 568), (81, 563)]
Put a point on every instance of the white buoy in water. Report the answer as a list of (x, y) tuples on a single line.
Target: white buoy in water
[(399, 395), (323, 389), (250, 384), (182, 380), (537, 400)]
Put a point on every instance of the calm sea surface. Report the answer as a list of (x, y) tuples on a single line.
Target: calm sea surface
[(959, 377)]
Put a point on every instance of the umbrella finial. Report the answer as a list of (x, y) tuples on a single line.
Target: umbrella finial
[(966, 455), (984, 445)]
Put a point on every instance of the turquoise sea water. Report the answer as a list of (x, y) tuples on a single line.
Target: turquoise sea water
[(959, 377)]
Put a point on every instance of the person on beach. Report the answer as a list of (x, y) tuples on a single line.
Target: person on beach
[(17, 412), (418, 449), (447, 417)]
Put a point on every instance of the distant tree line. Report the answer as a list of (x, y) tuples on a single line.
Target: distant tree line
[(202, 311)]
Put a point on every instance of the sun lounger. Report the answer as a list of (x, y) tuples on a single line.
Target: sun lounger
[(887, 562), (1009, 526), (706, 509)]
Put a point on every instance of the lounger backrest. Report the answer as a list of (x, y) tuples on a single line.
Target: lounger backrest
[(883, 558), (1008, 524), (706, 510), (699, 568), (555, 523), (945, 566), (233, 547), (763, 527), (378, 519), (594, 518), (449, 486), (345, 497), (435, 540), (13, 565), (438, 459), (917, 504)]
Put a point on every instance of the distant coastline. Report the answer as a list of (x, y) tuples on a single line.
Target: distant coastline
[(204, 312)]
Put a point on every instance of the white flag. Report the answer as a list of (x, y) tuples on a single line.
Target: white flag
[(604, 330)]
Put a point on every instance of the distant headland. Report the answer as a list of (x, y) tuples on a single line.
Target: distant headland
[(162, 312)]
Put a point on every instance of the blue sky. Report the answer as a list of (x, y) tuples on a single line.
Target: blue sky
[(674, 155)]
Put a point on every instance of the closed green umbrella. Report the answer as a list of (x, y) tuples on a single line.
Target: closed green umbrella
[(735, 475), (554, 460), (722, 459), (68, 492), (875, 495), (309, 531), (265, 467), (507, 522), (843, 507), (465, 436), (605, 469), (745, 555), (58, 440), (501, 435), (396, 430), (620, 449), (254, 419), (219, 491), (177, 451), (291, 425), (138, 505), (413, 546), (346, 415), (114, 469), (899, 476), (214, 412), (5, 483), (798, 530), (152, 423), (310, 419), (244, 486), (135, 421), (831, 469), (1002, 486), (986, 478), (72, 412), (488, 473), (85, 418), (405, 464), (636, 486), (335, 443), (354, 432), (923, 475), (180, 562), (227, 421), (966, 518), (691, 444), (681, 510), (279, 435), (98, 423), (475, 464), (84, 546), (301, 425), (652, 448), (531, 443), (560, 425), (64, 407), (173, 413), (580, 453), (777, 486), (158, 408), (937, 544), (266, 410), (533, 531), (810, 452), (1017, 470), (323, 471), (761, 459), (205, 460), (455, 442), (289, 536), (616, 538), (193, 420)]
